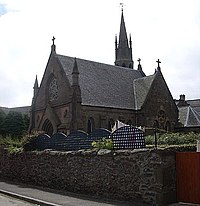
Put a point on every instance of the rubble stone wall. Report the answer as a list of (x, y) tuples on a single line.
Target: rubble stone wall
[(144, 176)]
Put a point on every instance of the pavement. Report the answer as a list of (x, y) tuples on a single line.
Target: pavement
[(10, 201), (49, 197)]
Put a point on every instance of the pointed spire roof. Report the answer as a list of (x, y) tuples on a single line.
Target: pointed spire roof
[(75, 67), (140, 67), (123, 40), (75, 74), (36, 83), (123, 50)]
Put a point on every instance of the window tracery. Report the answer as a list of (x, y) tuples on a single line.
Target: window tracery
[(53, 90)]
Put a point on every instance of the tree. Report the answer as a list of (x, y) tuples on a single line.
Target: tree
[(2, 118), (15, 124)]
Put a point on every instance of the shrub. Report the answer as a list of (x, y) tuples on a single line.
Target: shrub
[(16, 144), (173, 138), (104, 143), (13, 145)]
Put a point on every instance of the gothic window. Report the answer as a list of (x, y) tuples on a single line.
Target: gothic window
[(168, 126), (90, 126), (161, 116), (38, 118), (155, 124), (53, 90), (47, 127), (110, 124)]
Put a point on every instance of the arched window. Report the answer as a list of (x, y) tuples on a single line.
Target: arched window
[(168, 126), (90, 125), (47, 127), (110, 124), (155, 124), (161, 116)]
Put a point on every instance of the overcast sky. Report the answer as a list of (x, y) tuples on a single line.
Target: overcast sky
[(164, 29)]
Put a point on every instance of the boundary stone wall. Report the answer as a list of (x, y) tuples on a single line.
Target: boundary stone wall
[(140, 175)]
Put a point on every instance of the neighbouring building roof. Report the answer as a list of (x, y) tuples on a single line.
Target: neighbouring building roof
[(189, 117), (114, 82), (195, 104), (189, 112)]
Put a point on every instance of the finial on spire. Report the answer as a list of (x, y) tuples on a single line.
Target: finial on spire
[(139, 65), (122, 6)]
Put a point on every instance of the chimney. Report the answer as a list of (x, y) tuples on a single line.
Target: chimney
[(182, 102), (182, 97)]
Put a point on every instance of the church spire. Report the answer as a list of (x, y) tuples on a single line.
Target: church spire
[(123, 50), (123, 40)]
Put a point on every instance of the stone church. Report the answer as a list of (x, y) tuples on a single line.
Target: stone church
[(77, 94)]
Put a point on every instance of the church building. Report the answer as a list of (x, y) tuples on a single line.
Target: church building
[(77, 94)]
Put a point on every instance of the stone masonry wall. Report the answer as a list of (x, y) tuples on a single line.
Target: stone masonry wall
[(145, 176)]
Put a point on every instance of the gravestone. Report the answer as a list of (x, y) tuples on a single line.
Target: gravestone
[(128, 137)]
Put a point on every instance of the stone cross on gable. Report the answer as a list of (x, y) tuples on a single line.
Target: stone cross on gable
[(158, 61), (139, 60), (53, 40)]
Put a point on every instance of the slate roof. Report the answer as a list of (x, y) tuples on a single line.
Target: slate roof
[(190, 115), (141, 89), (195, 103), (102, 84)]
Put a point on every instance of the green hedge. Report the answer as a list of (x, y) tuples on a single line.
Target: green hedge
[(173, 138)]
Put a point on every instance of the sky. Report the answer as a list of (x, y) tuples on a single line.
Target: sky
[(164, 29)]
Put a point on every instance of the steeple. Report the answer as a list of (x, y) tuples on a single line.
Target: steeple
[(123, 50)]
